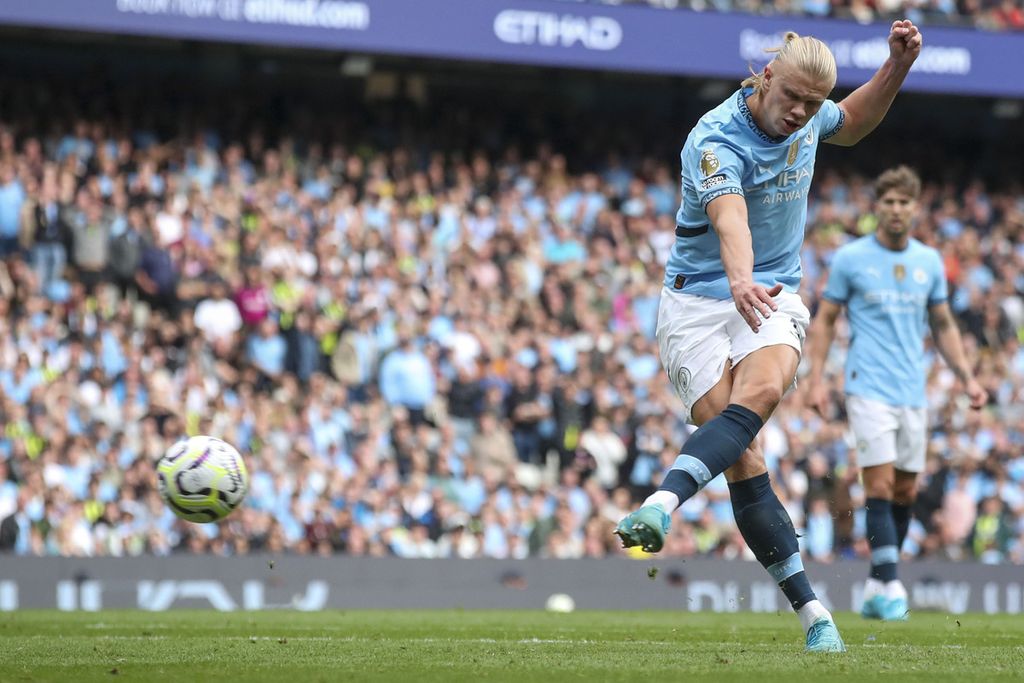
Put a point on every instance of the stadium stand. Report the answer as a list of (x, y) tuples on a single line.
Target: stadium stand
[(429, 339)]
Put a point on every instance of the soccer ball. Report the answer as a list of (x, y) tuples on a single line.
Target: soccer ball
[(202, 479)]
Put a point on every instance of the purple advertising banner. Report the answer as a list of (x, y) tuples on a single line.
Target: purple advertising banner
[(543, 32)]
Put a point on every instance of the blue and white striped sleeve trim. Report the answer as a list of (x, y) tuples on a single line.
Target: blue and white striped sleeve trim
[(718, 193)]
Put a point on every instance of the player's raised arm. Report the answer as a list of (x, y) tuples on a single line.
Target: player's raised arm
[(728, 216), (866, 106)]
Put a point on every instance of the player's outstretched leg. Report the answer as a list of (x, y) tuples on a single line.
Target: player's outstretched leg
[(769, 532), (709, 451)]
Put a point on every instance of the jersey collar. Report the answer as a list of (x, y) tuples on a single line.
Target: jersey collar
[(741, 104), (879, 242)]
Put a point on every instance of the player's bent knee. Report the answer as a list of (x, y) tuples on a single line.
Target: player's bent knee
[(904, 497), (879, 489), (751, 464), (761, 397)]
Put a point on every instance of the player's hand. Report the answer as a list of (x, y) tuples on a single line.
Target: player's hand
[(977, 394), (755, 302), (817, 399), (904, 42)]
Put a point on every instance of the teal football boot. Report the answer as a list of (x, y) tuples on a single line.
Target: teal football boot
[(647, 528)]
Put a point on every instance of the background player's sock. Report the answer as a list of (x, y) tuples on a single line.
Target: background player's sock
[(881, 531), (811, 612), (901, 517), (709, 451), (768, 530), (895, 589), (873, 587)]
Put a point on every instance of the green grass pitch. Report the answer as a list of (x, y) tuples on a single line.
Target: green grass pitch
[(287, 647)]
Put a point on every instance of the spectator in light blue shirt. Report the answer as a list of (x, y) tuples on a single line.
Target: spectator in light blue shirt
[(12, 196), (562, 247), (819, 8), (267, 349), (17, 384), (407, 377), (820, 532), (325, 431)]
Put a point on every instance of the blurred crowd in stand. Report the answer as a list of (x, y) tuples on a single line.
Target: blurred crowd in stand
[(426, 349)]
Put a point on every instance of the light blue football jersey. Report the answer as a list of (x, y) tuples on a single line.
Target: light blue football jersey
[(727, 153), (887, 295)]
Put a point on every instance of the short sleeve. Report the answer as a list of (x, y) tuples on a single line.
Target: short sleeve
[(714, 170), (837, 289), (830, 119), (940, 289)]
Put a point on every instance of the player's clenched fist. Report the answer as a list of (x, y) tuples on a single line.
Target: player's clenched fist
[(904, 42)]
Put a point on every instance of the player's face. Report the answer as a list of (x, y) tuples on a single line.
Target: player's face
[(791, 99), (895, 211)]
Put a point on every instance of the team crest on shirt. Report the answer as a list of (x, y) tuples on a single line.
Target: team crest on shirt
[(709, 162), (899, 272), (920, 277), (683, 378), (793, 150)]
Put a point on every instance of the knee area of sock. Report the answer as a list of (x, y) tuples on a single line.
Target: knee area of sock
[(751, 490), (904, 501), (878, 492), (876, 504), (879, 489), (905, 496)]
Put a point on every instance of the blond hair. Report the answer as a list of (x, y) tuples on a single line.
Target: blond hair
[(809, 55)]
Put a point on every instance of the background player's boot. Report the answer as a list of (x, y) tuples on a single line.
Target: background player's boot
[(647, 528), (895, 609), (823, 636), (874, 607)]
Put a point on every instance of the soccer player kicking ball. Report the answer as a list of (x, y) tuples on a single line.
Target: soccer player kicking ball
[(889, 284), (730, 323)]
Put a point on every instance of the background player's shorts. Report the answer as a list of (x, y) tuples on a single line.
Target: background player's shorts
[(698, 334), (888, 434)]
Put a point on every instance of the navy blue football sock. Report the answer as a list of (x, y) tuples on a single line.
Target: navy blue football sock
[(881, 530), (769, 532), (711, 450), (901, 516)]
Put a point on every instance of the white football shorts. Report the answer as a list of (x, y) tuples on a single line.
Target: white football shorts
[(888, 434), (698, 334)]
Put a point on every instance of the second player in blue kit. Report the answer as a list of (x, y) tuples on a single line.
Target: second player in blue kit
[(894, 289)]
